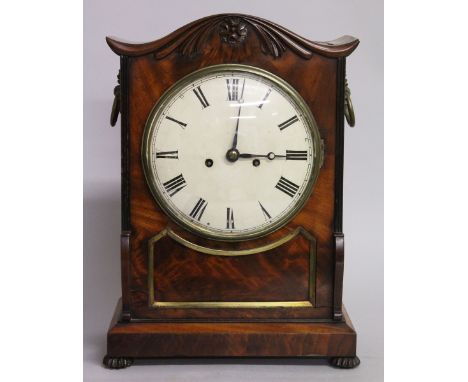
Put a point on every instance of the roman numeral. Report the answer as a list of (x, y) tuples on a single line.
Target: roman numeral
[(289, 122), (198, 210), (288, 187), (296, 155), (174, 185), (264, 99), (265, 212), (201, 97), (181, 124), (233, 89), (230, 218), (168, 154)]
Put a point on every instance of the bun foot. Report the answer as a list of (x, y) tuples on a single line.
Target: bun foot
[(344, 362), (117, 362)]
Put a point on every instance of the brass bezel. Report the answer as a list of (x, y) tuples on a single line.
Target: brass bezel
[(187, 80)]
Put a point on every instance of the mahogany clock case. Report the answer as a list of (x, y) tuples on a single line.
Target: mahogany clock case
[(278, 295)]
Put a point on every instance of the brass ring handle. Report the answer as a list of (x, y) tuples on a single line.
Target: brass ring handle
[(348, 107)]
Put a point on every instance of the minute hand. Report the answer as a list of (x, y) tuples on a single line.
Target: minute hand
[(234, 141), (270, 156)]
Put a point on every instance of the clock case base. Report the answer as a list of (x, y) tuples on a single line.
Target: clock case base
[(127, 341)]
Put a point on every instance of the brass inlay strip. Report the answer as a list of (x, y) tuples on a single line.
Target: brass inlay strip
[(221, 252), (218, 252), (231, 304)]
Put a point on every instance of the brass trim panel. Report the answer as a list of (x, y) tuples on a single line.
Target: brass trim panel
[(220, 252), (232, 304), (217, 252)]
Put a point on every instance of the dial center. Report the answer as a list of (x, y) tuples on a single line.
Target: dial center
[(232, 155)]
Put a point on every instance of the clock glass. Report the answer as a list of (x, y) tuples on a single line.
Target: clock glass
[(231, 152)]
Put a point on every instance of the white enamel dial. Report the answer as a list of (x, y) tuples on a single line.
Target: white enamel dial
[(231, 152)]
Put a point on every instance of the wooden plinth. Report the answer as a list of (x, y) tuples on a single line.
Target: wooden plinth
[(163, 340)]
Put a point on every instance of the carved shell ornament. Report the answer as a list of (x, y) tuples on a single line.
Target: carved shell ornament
[(234, 30)]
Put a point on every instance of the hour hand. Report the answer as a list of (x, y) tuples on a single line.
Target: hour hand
[(270, 156)]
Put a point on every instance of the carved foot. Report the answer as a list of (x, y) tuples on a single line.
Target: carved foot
[(117, 362), (344, 362)]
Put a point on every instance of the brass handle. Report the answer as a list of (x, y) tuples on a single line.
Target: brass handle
[(116, 104), (348, 106)]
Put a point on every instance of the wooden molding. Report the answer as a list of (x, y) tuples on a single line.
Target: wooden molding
[(234, 29), (338, 219), (125, 237), (223, 339), (338, 282)]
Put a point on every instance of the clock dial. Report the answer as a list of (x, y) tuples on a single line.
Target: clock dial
[(231, 152)]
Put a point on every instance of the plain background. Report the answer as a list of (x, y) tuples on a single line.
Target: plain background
[(363, 179), (41, 199)]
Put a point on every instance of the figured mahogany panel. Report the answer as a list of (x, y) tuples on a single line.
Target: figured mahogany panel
[(181, 274), (148, 70)]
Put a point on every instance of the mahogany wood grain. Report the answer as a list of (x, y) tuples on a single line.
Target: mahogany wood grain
[(192, 37), (150, 78), (317, 71), (141, 340), (274, 275)]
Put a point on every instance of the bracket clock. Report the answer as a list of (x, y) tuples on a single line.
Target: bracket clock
[(232, 170)]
